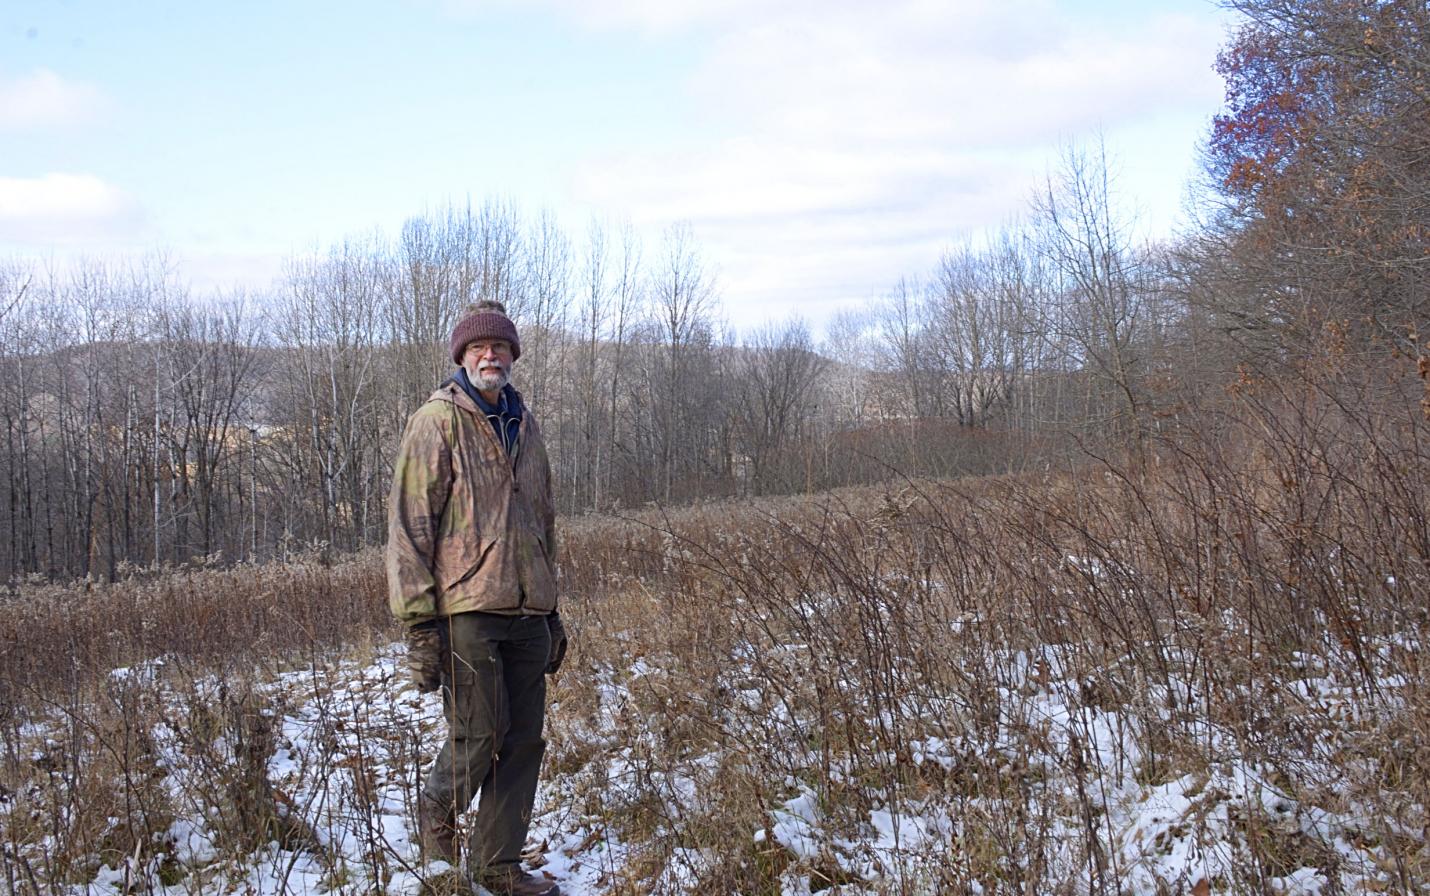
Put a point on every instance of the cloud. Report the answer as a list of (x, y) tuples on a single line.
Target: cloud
[(812, 227), (44, 99), (953, 74), (859, 140), (655, 16), (63, 208)]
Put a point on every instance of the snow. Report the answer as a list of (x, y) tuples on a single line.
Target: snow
[(351, 738)]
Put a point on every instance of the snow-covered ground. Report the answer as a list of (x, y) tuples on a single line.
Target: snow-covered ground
[(340, 747)]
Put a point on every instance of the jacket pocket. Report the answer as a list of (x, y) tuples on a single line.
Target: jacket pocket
[(535, 571)]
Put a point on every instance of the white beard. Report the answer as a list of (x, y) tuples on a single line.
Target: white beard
[(491, 379)]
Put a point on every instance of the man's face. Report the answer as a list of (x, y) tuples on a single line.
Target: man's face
[(488, 363)]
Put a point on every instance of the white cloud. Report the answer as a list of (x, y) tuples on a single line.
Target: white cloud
[(954, 74), (659, 16), (63, 208), (813, 228), (44, 99), (861, 139)]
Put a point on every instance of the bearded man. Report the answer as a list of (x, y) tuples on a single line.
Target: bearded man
[(470, 571)]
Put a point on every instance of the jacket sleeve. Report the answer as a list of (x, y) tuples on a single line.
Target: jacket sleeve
[(421, 487), (550, 523)]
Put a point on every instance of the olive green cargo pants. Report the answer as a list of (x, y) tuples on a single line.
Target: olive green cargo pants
[(494, 693)]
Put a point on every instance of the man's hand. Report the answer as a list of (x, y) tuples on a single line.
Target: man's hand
[(424, 655), (558, 643)]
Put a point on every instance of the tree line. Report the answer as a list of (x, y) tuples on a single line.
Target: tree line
[(146, 425)]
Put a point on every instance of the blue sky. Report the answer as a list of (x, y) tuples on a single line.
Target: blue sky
[(819, 149)]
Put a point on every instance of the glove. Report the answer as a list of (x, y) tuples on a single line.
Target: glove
[(424, 655), (558, 643)]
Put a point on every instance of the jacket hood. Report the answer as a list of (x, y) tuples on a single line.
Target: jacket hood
[(452, 391)]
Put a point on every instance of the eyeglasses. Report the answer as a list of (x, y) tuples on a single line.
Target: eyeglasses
[(495, 346)]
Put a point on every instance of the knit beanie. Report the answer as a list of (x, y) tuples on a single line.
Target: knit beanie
[(484, 320)]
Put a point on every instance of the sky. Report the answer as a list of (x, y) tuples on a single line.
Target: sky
[(818, 150)]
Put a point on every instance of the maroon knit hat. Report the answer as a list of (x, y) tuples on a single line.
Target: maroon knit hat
[(484, 320)]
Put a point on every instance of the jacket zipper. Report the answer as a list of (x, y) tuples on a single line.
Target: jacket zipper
[(510, 468)]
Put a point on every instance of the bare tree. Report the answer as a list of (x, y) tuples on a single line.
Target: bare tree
[(850, 373), (627, 305), (21, 341), (1098, 294), (778, 372), (423, 303), (15, 280), (334, 388), (210, 353), (97, 318), (683, 299), (905, 341), (982, 325), (543, 306), (588, 454)]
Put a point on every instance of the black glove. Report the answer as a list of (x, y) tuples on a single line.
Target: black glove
[(558, 643), (424, 654)]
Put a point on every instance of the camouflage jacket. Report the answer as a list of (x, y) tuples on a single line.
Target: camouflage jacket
[(467, 530)]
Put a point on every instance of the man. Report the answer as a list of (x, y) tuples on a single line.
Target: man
[(471, 540)]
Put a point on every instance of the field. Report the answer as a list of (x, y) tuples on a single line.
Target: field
[(1199, 671)]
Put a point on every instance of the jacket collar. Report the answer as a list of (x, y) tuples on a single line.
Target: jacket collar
[(508, 400), (452, 391)]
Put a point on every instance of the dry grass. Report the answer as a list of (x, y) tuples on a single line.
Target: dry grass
[(1245, 610)]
